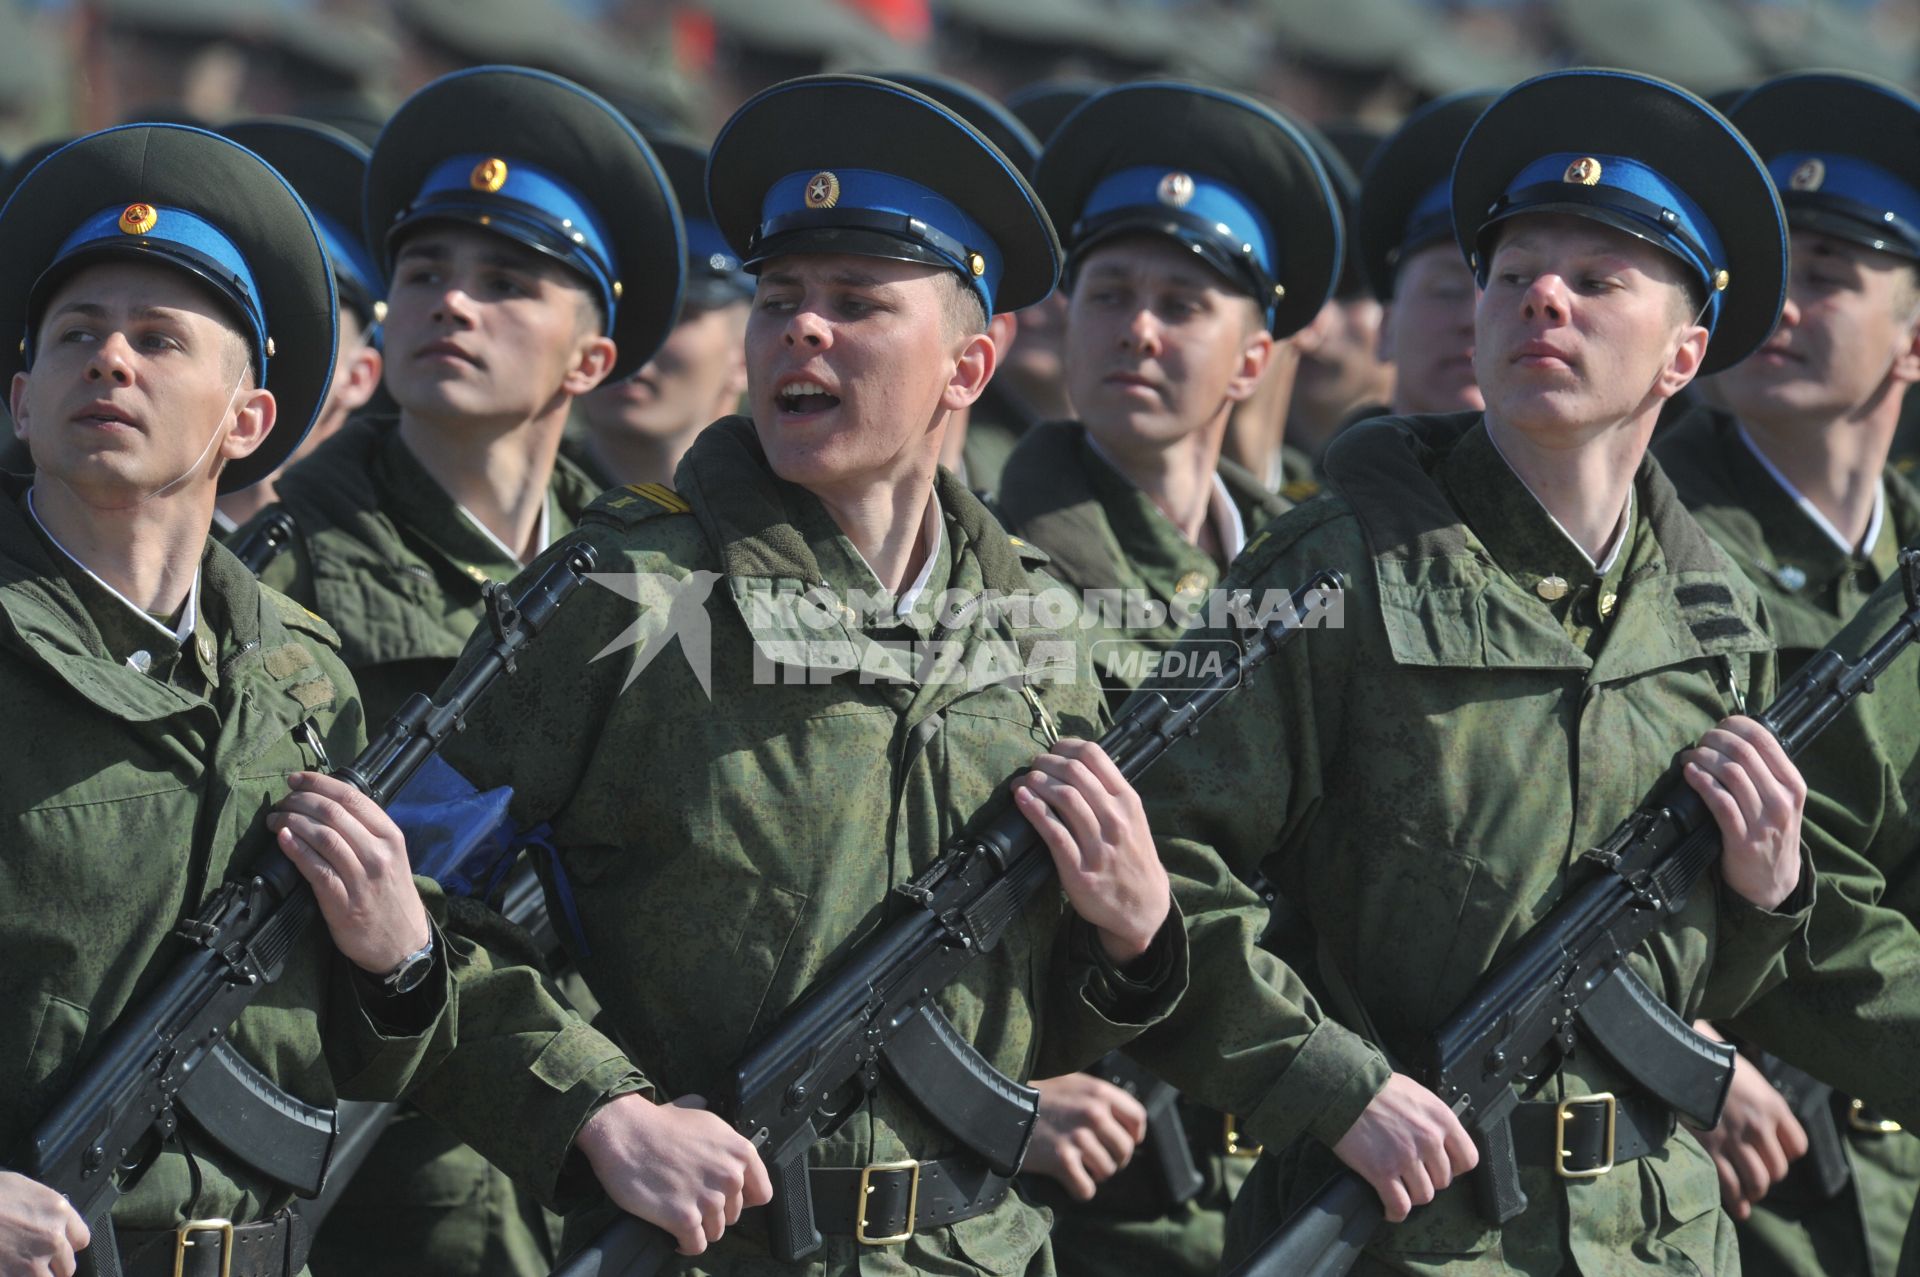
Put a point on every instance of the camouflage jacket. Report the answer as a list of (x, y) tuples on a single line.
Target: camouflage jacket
[(1419, 785), (732, 804), (386, 556), (1100, 532), (135, 798), (1811, 586), (1851, 1004)]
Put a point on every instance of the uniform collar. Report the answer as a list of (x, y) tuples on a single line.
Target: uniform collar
[(1516, 527), (1820, 521), (121, 614)]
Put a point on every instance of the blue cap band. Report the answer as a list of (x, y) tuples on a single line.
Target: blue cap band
[(1852, 187), (1636, 198), (347, 254), (188, 240), (1231, 216), (868, 200), (1431, 218), (710, 257), (525, 203)]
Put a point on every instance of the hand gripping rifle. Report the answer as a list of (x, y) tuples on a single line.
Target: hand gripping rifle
[(1568, 979), (817, 1066), (171, 1053)]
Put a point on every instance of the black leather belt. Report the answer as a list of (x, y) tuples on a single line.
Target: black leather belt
[(275, 1247), (1585, 1136), (888, 1202)]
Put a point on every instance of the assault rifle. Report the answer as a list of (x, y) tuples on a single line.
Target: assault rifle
[(266, 543), (170, 1054), (1568, 980), (817, 1066)]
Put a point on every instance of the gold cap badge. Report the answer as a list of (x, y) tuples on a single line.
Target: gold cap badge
[(138, 219), (823, 190), (1175, 189), (488, 175), (1808, 176), (977, 264), (1720, 281), (1585, 171)]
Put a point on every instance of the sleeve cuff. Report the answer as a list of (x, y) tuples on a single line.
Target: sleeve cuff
[(1323, 1092), (1146, 989)]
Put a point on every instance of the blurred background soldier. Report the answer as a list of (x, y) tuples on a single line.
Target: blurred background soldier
[(635, 430), (1788, 472), (532, 249)]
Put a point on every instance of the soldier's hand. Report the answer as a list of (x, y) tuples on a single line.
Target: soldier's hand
[(675, 1165), (1756, 795), (1087, 1130), (1757, 1140), (39, 1230), (355, 857), (1095, 826), (1408, 1145)]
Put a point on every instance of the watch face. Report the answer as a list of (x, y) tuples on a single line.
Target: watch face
[(412, 973), (412, 970)]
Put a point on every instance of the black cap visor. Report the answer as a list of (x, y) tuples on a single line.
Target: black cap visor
[(1855, 223), (1237, 269)]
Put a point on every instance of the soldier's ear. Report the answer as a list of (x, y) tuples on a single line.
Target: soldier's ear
[(17, 404)]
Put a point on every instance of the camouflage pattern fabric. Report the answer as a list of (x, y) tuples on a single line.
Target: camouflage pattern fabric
[(1419, 785), (732, 806)]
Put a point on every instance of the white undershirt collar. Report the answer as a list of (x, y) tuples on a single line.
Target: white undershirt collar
[(179, 632), (1812, 511), (935, 524), (1615, 544), (1228, 527), (542, 532)]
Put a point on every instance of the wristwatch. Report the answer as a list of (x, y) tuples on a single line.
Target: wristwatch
[(412, 971)]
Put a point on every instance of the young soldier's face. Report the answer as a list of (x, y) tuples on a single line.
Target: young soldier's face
[(482, 329), (1581, 327), (1159, 347), (852, 364), (697, 375), (1428, 333), (139, 378), (1846, 336)]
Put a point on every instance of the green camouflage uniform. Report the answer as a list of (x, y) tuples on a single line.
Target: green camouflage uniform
[(150, 790), (1418, 785), (1811, 588), (1848, 1013), (1100, 532), (722, 849), (994, 429), (386, 556), (1810, 585)]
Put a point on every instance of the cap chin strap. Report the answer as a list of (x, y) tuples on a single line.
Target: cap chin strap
[(192, 466)]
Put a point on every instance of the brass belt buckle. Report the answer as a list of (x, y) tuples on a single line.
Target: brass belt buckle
[(183, 1241), (1230, 1140), (1560, 1150), (866, 1191), (1859, 1120)]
